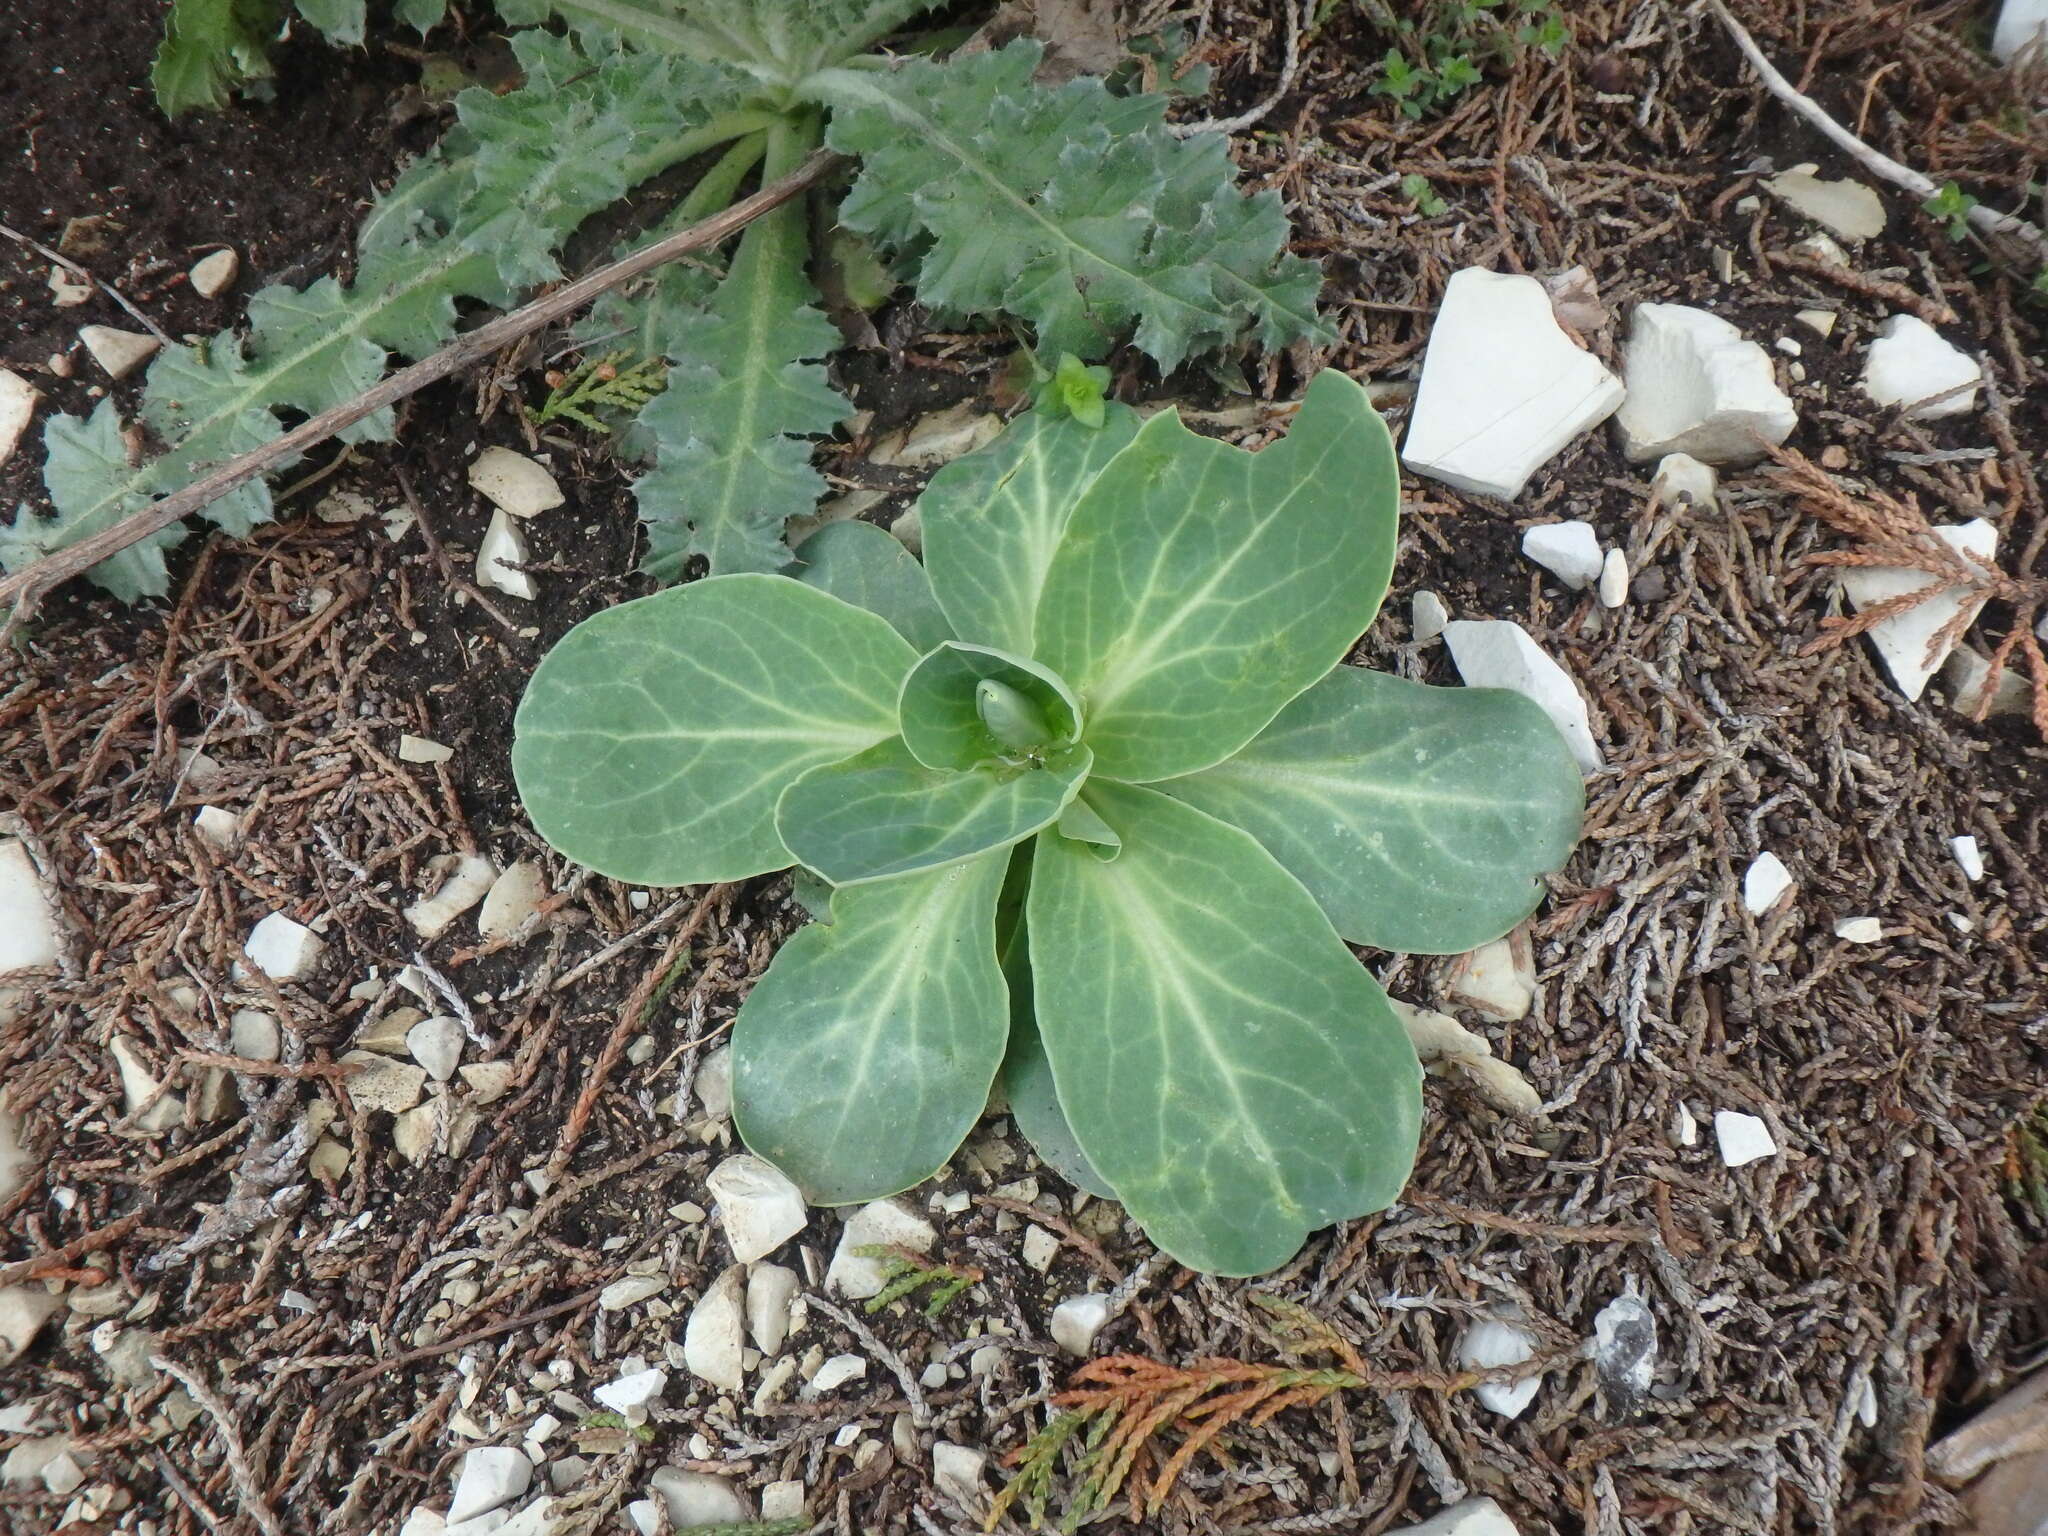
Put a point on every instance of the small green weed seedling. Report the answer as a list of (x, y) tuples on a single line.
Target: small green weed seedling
[(1100, 807), (1952, 206), (1443, 51), (1070, 211)]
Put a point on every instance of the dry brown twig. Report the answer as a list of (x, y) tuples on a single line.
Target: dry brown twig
[(1893, 533)]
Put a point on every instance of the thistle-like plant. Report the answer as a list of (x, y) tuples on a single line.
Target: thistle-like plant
[(1100, 806), (1072, 211)]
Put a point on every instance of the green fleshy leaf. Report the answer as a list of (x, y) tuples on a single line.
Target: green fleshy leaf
[(993, 519), (1199, 588), (869, 568), (211, 47), (421, 15), (1034, 1101), (942, 726), (656, 737), (881, 813), (891, 1017), (1079, 823), (1075, 208), (339, 21), (1422, 819), (1224, 1061)]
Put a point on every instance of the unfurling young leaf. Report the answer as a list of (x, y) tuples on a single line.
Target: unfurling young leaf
[(1106, 836)]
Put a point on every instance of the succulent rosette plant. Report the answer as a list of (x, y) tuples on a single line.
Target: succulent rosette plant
[(1100, 806)]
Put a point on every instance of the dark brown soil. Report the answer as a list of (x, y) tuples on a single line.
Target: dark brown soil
[(1879, 1255)]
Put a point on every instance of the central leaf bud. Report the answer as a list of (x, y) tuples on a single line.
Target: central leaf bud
[(1013, 719)]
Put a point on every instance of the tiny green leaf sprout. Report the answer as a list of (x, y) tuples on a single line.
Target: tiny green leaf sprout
[(1101, 807)]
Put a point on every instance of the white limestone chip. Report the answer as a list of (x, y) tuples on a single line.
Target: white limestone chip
[(23, 1311), (67, 289), (218, 829), (782, 1501), (1427, 616), (1488, 1342), (713, 1083), (1696, 386), (1860, 930), (212, 275), (1474, 1517), (422, 749), (956, 1471), (1968, 674), (514, 483), (1845, 208), (759, 1206), (466, 878), (436, 1044), (1968, 857), (254, 1036), (879, 1224), (29, 938), (1681, 478), (2022, 24), (1902, 639), (1764, 882), (1613, 585), (1570, 551), (1498, 653), (14, 1159), (771, 1288), (699, 1498), (383, 1082), (713, 1340), (1040, 1248), (836, 1373), (1497, 979), (1820, 321), (1742, 1138), (139, 1087), (118, 352), (1912, 365), (492, 1476), (503, 547), (18, 400), (629, 1396), (513, 897), (282, 949), (1503, 388), (1077, 1320)]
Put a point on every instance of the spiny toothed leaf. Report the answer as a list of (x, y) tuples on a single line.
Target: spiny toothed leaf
[(780, 41), (210, 47), (475, 222), (1074, 208), (730, 467), (92, 447)]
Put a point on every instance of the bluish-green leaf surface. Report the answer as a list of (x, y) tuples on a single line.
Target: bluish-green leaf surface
[(869, 568), (941, 725), (993, 519), (863, 1057), (1198, 588), (657, 736), (1224, 1061), (882, 813), (1422, 819)]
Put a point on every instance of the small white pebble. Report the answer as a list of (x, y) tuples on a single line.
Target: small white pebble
[(1860, 930), (1788, 346), (211, 276), (1743, 1138), (1960, 923), (1968, 856), (422, 749), (1427, 616), (1613, 588), (1766, 880)]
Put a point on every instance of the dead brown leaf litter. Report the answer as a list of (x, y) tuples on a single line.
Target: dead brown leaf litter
[(1824, 1313)]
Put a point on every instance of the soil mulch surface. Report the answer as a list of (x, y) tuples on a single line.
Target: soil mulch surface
[(251, 1344)]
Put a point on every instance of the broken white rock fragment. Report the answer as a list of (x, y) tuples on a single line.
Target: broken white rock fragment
[(1613, 585), (1474, 1517), (712, 1339), (1968, 857), (771, 1288), (383, 1082), (1902, 639), (18, 400), (1696, 386), (119, 353), (1859, 930), (139, 1087), (956, 1471), (513, 897), (2022, 24), (1077, 1320), (782, 1501), (698, 1498), (879, 1224), (1743, 1138), (1040, 1248), (1763, 883), (1569, 551), (1489, 1342), (468, 877), (836, 1373), (1503, 388), (1442, 1044), (1845, 208), (422, 749), (436, 1044), (514, 483), (1625, 1347), (28, 921), (1498, 653), (217, 828), (492, 1476), (211, 276), (1497, 979), (1682, 478), (1968, 672), (758, 1205), (1820, 321), (23, 1311), (503, 547), (629, 1396), (1910, 364), (1427, 616)]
